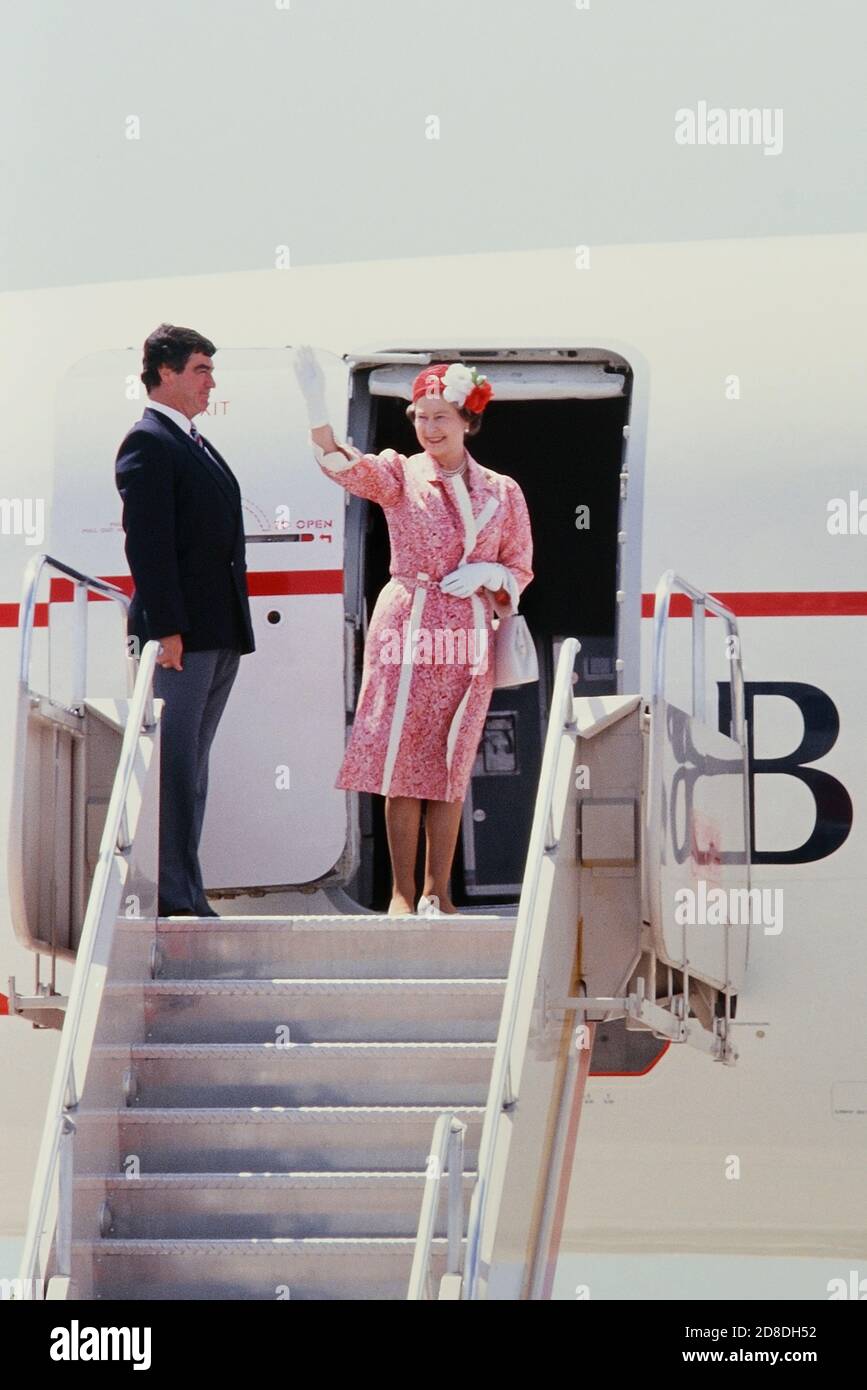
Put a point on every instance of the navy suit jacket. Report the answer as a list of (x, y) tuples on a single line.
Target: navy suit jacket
[(184, 539)]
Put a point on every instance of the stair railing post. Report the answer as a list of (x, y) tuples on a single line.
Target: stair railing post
[(456, 1195), (63, 1229)]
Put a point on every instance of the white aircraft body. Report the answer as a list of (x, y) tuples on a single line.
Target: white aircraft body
[(705, 403)]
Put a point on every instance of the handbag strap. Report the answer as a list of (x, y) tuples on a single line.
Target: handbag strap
[(473, 524)]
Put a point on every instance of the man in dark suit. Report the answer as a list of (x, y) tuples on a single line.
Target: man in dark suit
[(185, 548)]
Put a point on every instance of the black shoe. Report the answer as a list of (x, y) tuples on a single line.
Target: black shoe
[(176, 911), (207, 912)]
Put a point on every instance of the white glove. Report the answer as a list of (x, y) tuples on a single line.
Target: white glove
[(311, 380), (466, 579)]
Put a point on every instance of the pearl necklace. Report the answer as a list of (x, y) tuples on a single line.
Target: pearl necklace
[(452, 472)]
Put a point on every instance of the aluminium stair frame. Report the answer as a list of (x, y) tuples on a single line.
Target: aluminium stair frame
[(127, 859), (35, 913), (670, 1018), (532, 1001)]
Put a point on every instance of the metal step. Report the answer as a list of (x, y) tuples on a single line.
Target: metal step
[(366, 947), (320, 1269), (370, 1010), (319, 1138), (266, 1133), (320, 1073), (263, 1205)]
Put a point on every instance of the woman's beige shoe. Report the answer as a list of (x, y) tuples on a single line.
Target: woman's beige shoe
[(428, 906)]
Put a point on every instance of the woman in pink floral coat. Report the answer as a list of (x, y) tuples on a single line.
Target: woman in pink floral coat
[(461, 549)]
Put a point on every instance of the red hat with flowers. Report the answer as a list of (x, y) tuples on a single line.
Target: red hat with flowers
[(455, 382)]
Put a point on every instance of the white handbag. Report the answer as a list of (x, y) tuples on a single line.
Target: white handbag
[(515, 661)]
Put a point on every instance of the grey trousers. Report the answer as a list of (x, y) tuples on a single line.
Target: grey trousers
[(195, 699)]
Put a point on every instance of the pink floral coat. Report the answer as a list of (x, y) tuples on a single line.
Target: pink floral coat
[(428, 667)]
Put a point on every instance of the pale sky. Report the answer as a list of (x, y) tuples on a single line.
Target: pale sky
[(302, 123)]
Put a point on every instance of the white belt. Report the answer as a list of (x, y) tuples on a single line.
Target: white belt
[(420, 583)]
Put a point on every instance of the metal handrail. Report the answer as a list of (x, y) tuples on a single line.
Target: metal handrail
[(668, 583), (700, 601), (58, 1131), (84, 583), (447, 1148), (500, 1094)]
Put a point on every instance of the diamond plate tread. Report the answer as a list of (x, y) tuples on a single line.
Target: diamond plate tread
[(143, 1051), (340, 920), (260, 1245), (303, 985), (275, 1114), (231, 1181)]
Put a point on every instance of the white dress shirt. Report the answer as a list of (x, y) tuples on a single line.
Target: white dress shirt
[(180, 419), (177, 415)]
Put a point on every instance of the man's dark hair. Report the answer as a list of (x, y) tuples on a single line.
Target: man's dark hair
[(170, 346)]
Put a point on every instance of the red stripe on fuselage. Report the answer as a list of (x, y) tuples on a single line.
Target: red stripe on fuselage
[(260, 584), (784, 603)]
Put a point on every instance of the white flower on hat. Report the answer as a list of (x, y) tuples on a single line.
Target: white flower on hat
[(458, 382)]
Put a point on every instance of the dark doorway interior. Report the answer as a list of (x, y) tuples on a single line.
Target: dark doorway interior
[(565, 455)]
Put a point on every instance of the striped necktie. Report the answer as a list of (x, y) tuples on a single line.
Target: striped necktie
[(197, 439)]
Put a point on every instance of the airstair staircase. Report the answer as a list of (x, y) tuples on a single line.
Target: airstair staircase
[(268, 1137), (347, 1105)]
